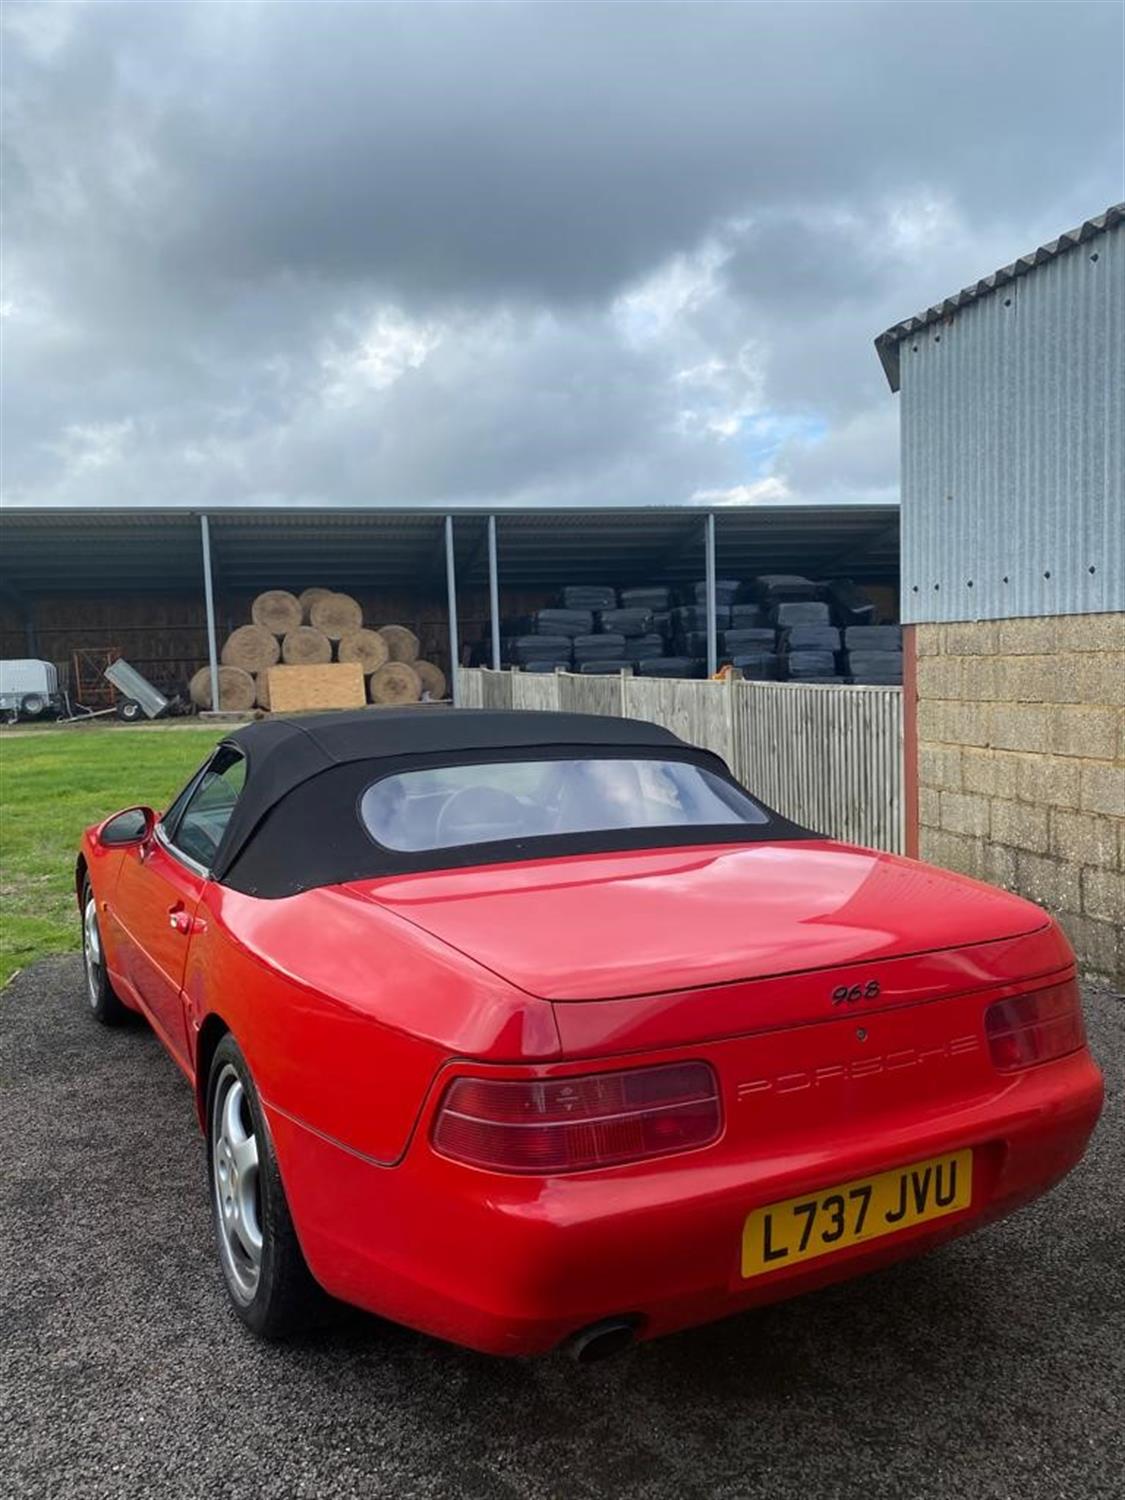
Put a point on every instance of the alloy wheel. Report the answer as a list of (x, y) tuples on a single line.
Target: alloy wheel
[(92, 951), (235, 1185)]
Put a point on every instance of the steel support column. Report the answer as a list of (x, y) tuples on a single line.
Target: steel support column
[(712, 628), (209, 600), (494, 592), (451, 593)]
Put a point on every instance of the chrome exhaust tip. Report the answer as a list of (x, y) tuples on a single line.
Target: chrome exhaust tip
[(601, 1340)]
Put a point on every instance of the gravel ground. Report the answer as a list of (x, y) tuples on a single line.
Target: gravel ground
[(996, 1368)]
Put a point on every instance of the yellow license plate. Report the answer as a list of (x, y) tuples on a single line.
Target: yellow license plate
[(784, 1234)]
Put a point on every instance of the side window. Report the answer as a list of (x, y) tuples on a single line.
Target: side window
[(172, 813), (204, 819)]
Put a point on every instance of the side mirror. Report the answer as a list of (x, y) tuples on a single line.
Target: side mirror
[(132, 826)]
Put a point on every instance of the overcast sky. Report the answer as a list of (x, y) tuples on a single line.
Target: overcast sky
[(529, 255)]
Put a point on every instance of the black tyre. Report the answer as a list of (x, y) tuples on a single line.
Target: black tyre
[(33, 705), (266, 1276), (104, 1004), (129, 710)]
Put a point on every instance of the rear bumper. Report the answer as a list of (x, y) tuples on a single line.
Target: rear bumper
[(511, 1265)]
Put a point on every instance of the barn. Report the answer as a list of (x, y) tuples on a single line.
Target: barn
[(165, 588), (1012, 400)]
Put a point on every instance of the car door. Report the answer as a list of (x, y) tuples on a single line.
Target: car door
[(156, 899)]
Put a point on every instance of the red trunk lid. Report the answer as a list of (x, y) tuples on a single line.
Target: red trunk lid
[(657, 922)]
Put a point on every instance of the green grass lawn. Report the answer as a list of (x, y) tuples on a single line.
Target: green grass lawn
[(52, 784)]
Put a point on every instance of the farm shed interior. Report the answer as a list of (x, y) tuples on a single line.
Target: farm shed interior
[(78, 584)]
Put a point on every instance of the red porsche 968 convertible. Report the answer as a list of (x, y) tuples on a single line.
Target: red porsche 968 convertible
[(527, 1029)]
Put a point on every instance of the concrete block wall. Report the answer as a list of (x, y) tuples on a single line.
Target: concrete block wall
[(1021, 766)]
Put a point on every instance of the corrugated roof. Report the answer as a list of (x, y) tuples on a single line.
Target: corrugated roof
[(886, 345), (93, 551)]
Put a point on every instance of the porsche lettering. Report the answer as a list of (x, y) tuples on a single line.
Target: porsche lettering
[(858, 1068)]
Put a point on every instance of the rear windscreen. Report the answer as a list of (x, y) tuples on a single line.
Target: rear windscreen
[(449, 806)]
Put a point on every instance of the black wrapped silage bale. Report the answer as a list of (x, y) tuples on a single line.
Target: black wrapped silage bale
[(810, 638), (568, 622), (749, 638), (642, 647), (552, 648), (626, 621), (602, 668), (609, 647), (803, 665), (589, 596), (694, 617), (726, 591), (758, 666), (546, 666), (849, 604), (779, 588), (804, 612), (746, 616), (664, 623), (656, 598), (671, 666), (875, 666), (873, 638)]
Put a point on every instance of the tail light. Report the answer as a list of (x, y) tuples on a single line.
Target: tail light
[(1034, 1028), (550, 1125)]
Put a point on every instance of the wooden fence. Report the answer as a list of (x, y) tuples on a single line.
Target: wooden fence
[(829, 757)]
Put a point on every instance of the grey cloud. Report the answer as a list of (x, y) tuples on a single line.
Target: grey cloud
[(206, 205)]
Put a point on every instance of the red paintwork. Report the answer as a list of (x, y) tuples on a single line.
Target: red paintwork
[(568, 929), (354, 1005)]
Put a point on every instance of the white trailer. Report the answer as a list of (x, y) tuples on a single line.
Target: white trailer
[(29, 689)]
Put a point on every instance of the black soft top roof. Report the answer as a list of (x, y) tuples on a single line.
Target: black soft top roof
[(282, 754)]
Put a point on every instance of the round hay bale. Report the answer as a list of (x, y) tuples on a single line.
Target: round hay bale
[(366, 646), (262, 686), (431, 677), (402, 644), (306, 647), (336, 615), (236, 689), (251, 647), (307, 598), (276, 610), (397, 682)]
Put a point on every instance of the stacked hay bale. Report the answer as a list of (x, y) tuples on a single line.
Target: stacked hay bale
[(307, 598), (397, 681), (306, 647), (336, 615), (315, 628), (365, 646), (277, 611), (237, 689)]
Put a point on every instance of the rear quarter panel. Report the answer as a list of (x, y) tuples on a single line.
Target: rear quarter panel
[(345, 1012)]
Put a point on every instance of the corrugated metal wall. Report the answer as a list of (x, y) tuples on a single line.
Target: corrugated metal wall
[(828, 757), (1013, 446)]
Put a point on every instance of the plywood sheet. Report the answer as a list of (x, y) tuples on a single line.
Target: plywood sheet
[(301, 689)]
